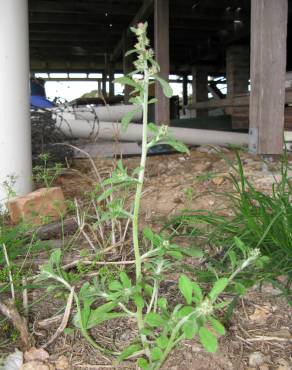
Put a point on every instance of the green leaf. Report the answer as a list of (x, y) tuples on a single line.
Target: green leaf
[(193, 252), (219, 328), (241, 246), (156, 354), (139, 301), (162, 303), (152, 101), (240, 288), (208, 340), (152, 127), (129, 52), (175, 254), (154, 320), (185, 311), (190, 329), (148, 233), (128, 351), (186, 288), (115, 285), (177, 145), (167, 90), (143, 363), (198, 294), (127, 81), (162, 341), (125, 280), (105, 194), (218, 288), (128, 117)]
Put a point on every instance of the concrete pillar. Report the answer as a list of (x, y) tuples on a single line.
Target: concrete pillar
[(15, 132), (200, 88), (237, 70), (161, 41)]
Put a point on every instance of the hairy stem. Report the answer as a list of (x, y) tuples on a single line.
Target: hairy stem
[(137, 202)]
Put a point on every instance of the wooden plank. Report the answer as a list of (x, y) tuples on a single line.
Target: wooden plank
[(239, 101), (268, 68), (161, 41)]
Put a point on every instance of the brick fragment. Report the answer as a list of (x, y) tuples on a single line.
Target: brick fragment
[(38, 207)]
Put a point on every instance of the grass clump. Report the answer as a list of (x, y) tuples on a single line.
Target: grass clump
[(260, 220)]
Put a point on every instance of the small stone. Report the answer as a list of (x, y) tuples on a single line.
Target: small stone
[(264, 367), (256, 359), (284, 365), (62, 363), (38, 354), (218, 181), (13, 361), (260, 314), (37, 365)]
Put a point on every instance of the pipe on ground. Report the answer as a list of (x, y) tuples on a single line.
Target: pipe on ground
[(110, 131), (15, 133)]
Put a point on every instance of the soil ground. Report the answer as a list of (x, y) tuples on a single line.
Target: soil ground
[(260, 332)]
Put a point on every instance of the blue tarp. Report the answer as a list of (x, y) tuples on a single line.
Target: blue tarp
[(37, 101)]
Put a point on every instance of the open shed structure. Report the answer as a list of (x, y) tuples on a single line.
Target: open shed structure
[(243, 40)]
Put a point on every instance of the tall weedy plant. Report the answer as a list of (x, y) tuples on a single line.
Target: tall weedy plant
[(160, 325)]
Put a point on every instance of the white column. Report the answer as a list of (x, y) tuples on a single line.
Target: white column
[(15, 130)]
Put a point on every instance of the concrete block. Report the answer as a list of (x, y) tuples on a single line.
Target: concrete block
[(41, 206)]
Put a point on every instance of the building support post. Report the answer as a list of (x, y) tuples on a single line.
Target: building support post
[(15, 132), (185, 90), (127, 64), (200, 88), (237, 70), (161, 41), (111, 79), (268, 69)]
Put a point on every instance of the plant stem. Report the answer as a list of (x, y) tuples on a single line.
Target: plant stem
[(137, 202)]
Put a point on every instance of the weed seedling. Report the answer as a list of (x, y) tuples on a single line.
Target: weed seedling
[(137, 296)]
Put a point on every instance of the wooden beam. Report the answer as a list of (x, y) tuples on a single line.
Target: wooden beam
[(142, 15), (268, 68), (161, 41), (200, 88)]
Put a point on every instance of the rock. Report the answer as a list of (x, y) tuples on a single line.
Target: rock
[(284, 365), (218, 180), (14, 361), (264, 367), (260, 314), (45, 204), (62, 363), (202, 167), (37, 365), (256, 359), (38, 354)]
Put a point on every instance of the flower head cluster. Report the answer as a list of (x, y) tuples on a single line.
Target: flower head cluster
[(144, 51)]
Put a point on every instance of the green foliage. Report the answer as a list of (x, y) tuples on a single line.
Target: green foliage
[(44, 174), (161, 327), (260, 220)]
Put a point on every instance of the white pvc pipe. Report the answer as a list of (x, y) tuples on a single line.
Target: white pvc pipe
[(111, 131), (112, 113), (15, 131)]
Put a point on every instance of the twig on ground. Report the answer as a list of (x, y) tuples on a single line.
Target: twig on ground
[(9, 272), (64, 321), (9, 310), (25, 297)]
